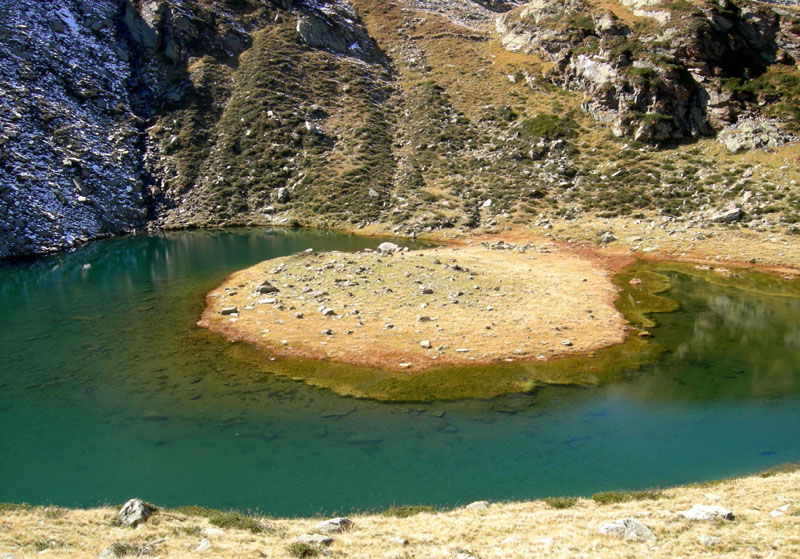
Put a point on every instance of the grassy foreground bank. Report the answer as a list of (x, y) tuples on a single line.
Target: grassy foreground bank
[(766, 525)]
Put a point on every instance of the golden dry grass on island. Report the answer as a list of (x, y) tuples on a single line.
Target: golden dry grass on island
[(479, 302), (766, 524)]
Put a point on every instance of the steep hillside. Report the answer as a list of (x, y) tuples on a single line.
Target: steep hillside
[(406, 116)]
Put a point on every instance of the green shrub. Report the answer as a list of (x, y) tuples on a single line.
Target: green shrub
[(405, 511), (300, 549), (561, 502), (235, 520), (609, 497), (551, 127)]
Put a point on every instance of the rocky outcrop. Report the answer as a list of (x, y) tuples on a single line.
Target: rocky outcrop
[(661, 83), (752, 133)]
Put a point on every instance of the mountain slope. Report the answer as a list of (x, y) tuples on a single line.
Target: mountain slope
[(408, 116)]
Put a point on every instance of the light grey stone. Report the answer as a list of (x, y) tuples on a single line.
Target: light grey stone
[(388, 248), (333, 526), (629, 529), (134, 512), (707, 540), (315, 539), (607, 237), (203, 546), (478, 506), (728, 215), (707, 512)]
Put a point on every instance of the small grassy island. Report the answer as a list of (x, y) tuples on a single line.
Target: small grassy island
[(473, 320)]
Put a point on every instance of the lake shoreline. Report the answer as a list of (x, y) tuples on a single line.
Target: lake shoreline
[(764, 522)]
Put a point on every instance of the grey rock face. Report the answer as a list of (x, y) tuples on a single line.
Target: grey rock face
[(338, 29), (673, 91), (69, 164), (134, 512)]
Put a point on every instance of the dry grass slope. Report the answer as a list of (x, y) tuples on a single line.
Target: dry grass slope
[(766, 525)]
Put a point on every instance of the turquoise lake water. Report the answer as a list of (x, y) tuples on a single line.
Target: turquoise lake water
[(109, 391)]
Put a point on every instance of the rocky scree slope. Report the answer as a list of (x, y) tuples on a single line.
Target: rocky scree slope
[(409, 116)]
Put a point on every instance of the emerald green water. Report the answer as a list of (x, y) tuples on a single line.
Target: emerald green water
[(108, 391)]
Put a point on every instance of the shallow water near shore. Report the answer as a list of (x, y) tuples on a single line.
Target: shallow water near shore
[(108, 391)]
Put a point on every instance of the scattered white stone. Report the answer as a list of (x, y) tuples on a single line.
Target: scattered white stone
[(462, 350), (566, 343), (780, 511), (707, 512), (478, 506), (203, 546), (228, 311), (333, 526), (327, 311), (629, 529), (267, 301), (404, 365), (399, 541), (426, 344), (315, 539), (607, 237), (707, 540), (388, 248)]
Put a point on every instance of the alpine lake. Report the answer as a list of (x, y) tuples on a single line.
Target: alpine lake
[(108, 390)]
